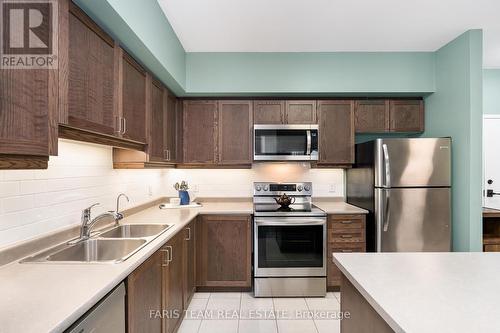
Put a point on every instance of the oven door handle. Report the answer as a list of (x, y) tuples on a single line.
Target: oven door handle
[(271, 222)]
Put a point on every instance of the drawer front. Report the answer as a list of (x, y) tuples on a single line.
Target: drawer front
[(346, 235), (347, 224), (345, 248)]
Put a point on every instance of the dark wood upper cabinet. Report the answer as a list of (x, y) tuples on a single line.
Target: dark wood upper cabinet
[(26, 107), (371, 116), (172, 281), (189, 284), (199, 134), (157, 123), (407, 116), (224, 251), (235, 132), (300, 112), (91, 76), (336, 132), (144, 287), (269, 112), (133, 104), (170, 126)]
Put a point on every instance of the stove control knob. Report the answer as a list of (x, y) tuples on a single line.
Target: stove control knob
[(266, 188), (258, 188), (307, 187), (299, 188)]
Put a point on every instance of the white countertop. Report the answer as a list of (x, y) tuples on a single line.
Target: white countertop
[(49, 297), (429, 292), (338, 207)]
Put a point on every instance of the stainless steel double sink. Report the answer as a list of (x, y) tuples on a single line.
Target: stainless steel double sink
[(110, 246)]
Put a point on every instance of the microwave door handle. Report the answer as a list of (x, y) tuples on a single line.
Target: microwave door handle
[(308, 149)]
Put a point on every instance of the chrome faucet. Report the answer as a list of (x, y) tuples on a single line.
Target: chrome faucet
[(88, 223), (118, 205)]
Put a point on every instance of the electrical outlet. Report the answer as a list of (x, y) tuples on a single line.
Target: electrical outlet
[(332, 188), (150, 190), (195, 188)]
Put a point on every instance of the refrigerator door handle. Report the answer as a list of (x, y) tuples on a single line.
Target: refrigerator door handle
[(387, 211), (387, 166)]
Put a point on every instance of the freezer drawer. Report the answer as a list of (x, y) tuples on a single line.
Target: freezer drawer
[(419, 162), (413, 219)]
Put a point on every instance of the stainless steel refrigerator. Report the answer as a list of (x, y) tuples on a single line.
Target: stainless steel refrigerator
[(406, 186)]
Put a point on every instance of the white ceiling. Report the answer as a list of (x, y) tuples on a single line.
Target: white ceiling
[(331, 25)]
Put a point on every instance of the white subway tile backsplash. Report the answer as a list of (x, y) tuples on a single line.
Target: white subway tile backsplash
[(9, 189), (14, 204), (34, 202), (32, 186)]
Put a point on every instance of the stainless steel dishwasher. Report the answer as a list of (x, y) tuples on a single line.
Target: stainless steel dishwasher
[(106, 316)]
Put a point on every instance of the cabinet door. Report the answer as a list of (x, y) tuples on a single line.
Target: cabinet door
[(235, 132), (171, 128), (91, 68), (269, 112), (133, 100), (199, 132), (189, 263), (172, 281), (371, 116), (144, 295), (224, 251), (336, 132), (407, 116), (25, 103), (300, 112), (156, 143)]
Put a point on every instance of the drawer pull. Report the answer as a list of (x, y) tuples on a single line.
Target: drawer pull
[(345, 236), (346, 251), (346, 222)]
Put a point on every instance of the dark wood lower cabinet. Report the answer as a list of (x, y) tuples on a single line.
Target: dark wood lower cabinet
[(346, 233), (144, 297), (224, 252), (189, 263), (172, 281)]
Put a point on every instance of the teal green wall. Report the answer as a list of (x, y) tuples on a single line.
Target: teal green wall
[(144, 31), (317, 73), (491, 91), (455, 110)]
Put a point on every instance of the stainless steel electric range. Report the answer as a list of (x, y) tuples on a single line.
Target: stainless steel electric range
[(289, 242)]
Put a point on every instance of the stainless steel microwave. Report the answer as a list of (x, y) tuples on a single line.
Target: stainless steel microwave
[(285, 143)]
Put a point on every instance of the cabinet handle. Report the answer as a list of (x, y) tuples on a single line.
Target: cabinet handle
[(118, 121), (165, 262), (165, 154), (171, 253), (168, 154), (346, 222), (189, 233), (124, 128), (346, 251), (345, 236)]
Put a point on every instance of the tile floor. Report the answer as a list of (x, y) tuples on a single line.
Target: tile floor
[(242, 313)]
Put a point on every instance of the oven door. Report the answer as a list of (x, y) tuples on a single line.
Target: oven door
[(290, 246), (285, 142)]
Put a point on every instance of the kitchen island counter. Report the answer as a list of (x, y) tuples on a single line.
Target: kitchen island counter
[(425, 292)]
